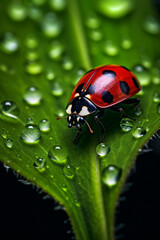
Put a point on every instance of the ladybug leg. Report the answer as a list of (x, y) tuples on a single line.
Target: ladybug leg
[(102, 129), (121, 110), (77, 136), (134, 101)]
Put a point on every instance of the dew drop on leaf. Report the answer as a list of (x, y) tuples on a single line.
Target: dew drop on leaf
[(50, 74), (31, 42), (156, 97), (55, 51), (155, 74), (78, 75), (126, 124), (17, 11), (58, 154), (102, 149), (139, 132), (4, 134), (64, 187), (126, 43), (44, 125), (92, 21), (9, 109), (110, 48), (69, 171), (60, 113), (9, 43), (32, 96), (56, 89), (51, 25), (142, 74), (32, 55), (9, 143), (151, 25), (30, 134), (40, 164), (111, 175), (96, 35), (34, 67), (58, 5), (67, 64), (116, 8), (137, 110)]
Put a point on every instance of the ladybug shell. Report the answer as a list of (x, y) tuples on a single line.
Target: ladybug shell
[(107, 85)]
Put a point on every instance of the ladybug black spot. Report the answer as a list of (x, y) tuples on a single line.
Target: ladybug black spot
[(79, 88), (109, 73), (107, 97), (90, 90), (124, 87), (135, 82), (125, 68)]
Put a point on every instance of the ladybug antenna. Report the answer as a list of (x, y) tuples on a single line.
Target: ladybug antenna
[(90, 129), (61, 117)]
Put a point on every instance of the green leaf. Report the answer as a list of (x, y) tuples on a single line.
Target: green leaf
[(46, 46)]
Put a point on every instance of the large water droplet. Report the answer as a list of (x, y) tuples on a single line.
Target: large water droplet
[(55, 50), (31, 134), (44, 125), (142, 74), (56, 89), (111, 175), (58, 5), (51, 25), (102, 149), (34, 67), (115, 8), (69, 171), (110, 48), (126, 124), (58, 154), (139, 132), (17, 11), (9, 143), (9, 109), (9, 43), (156, 97), (151, 25), (33, 96), (40, 164)]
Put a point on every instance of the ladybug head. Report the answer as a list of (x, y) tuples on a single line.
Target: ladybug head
[(75, 120)]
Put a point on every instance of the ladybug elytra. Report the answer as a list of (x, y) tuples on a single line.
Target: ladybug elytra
[(100, 88)]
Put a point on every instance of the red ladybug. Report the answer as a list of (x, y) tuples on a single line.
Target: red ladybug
[(100, 88)]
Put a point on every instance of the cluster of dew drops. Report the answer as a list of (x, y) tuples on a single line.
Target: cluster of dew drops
[(52, 25)]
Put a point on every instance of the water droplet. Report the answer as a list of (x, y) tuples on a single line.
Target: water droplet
[(96, 35), (9, 143), (34, 67), (155, 75), (139, 132), (30, 120), (146, 62), (9, 109), (50, 74), (4, 134), (40, 164), (9, 43), (39, 2), (44, 125), (142, 74), (35, 13), (141, 92), (78, 76), (58, 5), (126, 43), (116, 8), (111, 175), (17, 11), (102, 149), (77, 203), (31, 134), (92, 21), (60, 113), (33, 96), (156, 97), (67, 64), (110, 48), (69, 171), (64, 187), (151, 25), (137, 110), (55, 50), (56, 89), (126, 124), (158, 108), (32, 56), (31, 42), (58, 154), (51, 25)]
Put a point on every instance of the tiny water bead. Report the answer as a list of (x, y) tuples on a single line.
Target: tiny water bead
[(156, 97), (58, 154), (9, 109), (58, 5), (151, 25), (110, 48), (92, 21), (139, 132), (69, 171), (142, 74), (56, 89), (64, 187), (32, 96), (126, 43), (96, 35), (30, 120), (9, 143), (60, 113), (31, 42), (67, 64), (34, 67), (32, 55), (111, 175), (137, 110), (56, 50), (102, 149), (30, 134), (9, 43), (17, 11), (44, 125), (116, 8), (126, 124), (4, 134), (40, 164), (51, 25), (50, 74)]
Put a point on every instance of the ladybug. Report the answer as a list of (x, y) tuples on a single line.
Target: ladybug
[(100, 88)]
